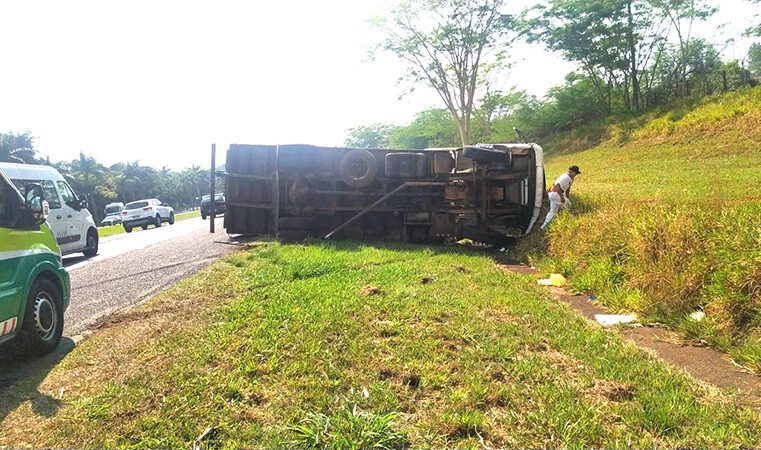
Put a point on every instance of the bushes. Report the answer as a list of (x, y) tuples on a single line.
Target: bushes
[(666, 262)]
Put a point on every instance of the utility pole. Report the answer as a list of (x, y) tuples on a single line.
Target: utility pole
[(212, 174)]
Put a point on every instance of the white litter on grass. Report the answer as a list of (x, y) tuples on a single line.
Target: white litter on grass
[(545, 282), (697, 316), (614, 319)]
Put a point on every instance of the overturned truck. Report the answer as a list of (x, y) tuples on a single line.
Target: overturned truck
[(486, 192)]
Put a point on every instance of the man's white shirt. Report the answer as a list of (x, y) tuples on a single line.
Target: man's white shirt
[(564, 181)]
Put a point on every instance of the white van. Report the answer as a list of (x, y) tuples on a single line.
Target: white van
[(71, 222)]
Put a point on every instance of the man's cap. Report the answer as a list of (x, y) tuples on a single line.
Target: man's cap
[(574, 168)]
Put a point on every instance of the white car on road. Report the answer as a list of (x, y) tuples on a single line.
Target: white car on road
[(146, 212)]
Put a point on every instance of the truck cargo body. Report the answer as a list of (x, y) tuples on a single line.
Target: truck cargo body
[(485, 192)]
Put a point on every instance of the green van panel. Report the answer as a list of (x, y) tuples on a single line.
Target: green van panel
[(17, 261)]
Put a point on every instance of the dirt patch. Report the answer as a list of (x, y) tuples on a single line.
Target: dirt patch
[(371, 290), (461, 269), (517, 268), (609, 390), (428, 279), (412, 380), (384, 373)]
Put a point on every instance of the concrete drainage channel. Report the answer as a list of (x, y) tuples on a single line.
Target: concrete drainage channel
[(702, 363)]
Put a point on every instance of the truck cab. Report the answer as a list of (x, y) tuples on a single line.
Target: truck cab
[(34, 286)]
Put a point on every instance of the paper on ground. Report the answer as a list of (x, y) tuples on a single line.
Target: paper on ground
[(697, 316), (614, 319)]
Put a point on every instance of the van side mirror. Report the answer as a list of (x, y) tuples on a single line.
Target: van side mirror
[(35, 204)]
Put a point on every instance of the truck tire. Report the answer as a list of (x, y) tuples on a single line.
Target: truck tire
[(127, 229), (43, 320), (487, 155), (358, 168), (92, 244)]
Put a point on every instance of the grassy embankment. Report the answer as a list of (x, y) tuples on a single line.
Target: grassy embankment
[(118, 229), (668, 219), (349, 346)]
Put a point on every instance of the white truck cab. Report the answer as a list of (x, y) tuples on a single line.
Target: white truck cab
[(72, 224)]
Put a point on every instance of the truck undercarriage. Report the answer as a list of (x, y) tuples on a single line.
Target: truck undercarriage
[(486, 192)]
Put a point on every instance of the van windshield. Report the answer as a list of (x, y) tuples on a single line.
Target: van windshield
[(113, 209), (136, 205)]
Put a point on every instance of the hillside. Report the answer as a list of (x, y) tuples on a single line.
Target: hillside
[(667, 219)]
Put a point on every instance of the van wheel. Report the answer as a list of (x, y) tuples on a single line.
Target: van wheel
[(128, 229), (92, 244), (43, 321), (171, 218), (157, 222)]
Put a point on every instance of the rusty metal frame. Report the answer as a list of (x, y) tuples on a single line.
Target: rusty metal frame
[(377, 203)]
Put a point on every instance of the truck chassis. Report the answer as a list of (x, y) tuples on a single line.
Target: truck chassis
[(486, 192)]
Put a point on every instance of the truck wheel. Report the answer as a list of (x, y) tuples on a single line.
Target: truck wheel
[(92, 244), (127, 229), (157, 221), (144, 227), (43, 320), (171, 218), (358, 168)]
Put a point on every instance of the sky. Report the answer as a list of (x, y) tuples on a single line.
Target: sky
[(160, 81)]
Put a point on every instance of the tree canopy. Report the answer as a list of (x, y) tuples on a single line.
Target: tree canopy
[(446, 44)]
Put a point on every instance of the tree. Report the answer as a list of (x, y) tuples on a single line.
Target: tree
[(431, 128), (682, 15), (89, 174), (755, 30), (17, 148), (371, 136), (754, 59), (612, 40), (445, 43)]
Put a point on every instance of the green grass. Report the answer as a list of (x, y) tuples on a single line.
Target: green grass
[(666, 220), (351, 346), (118, 229)]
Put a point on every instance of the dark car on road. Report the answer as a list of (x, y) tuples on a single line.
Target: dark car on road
[(219, 205)]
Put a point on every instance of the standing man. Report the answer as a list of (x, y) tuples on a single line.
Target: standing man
[(559, 192)]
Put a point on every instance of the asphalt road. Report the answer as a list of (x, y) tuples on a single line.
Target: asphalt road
[(132, 267)]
